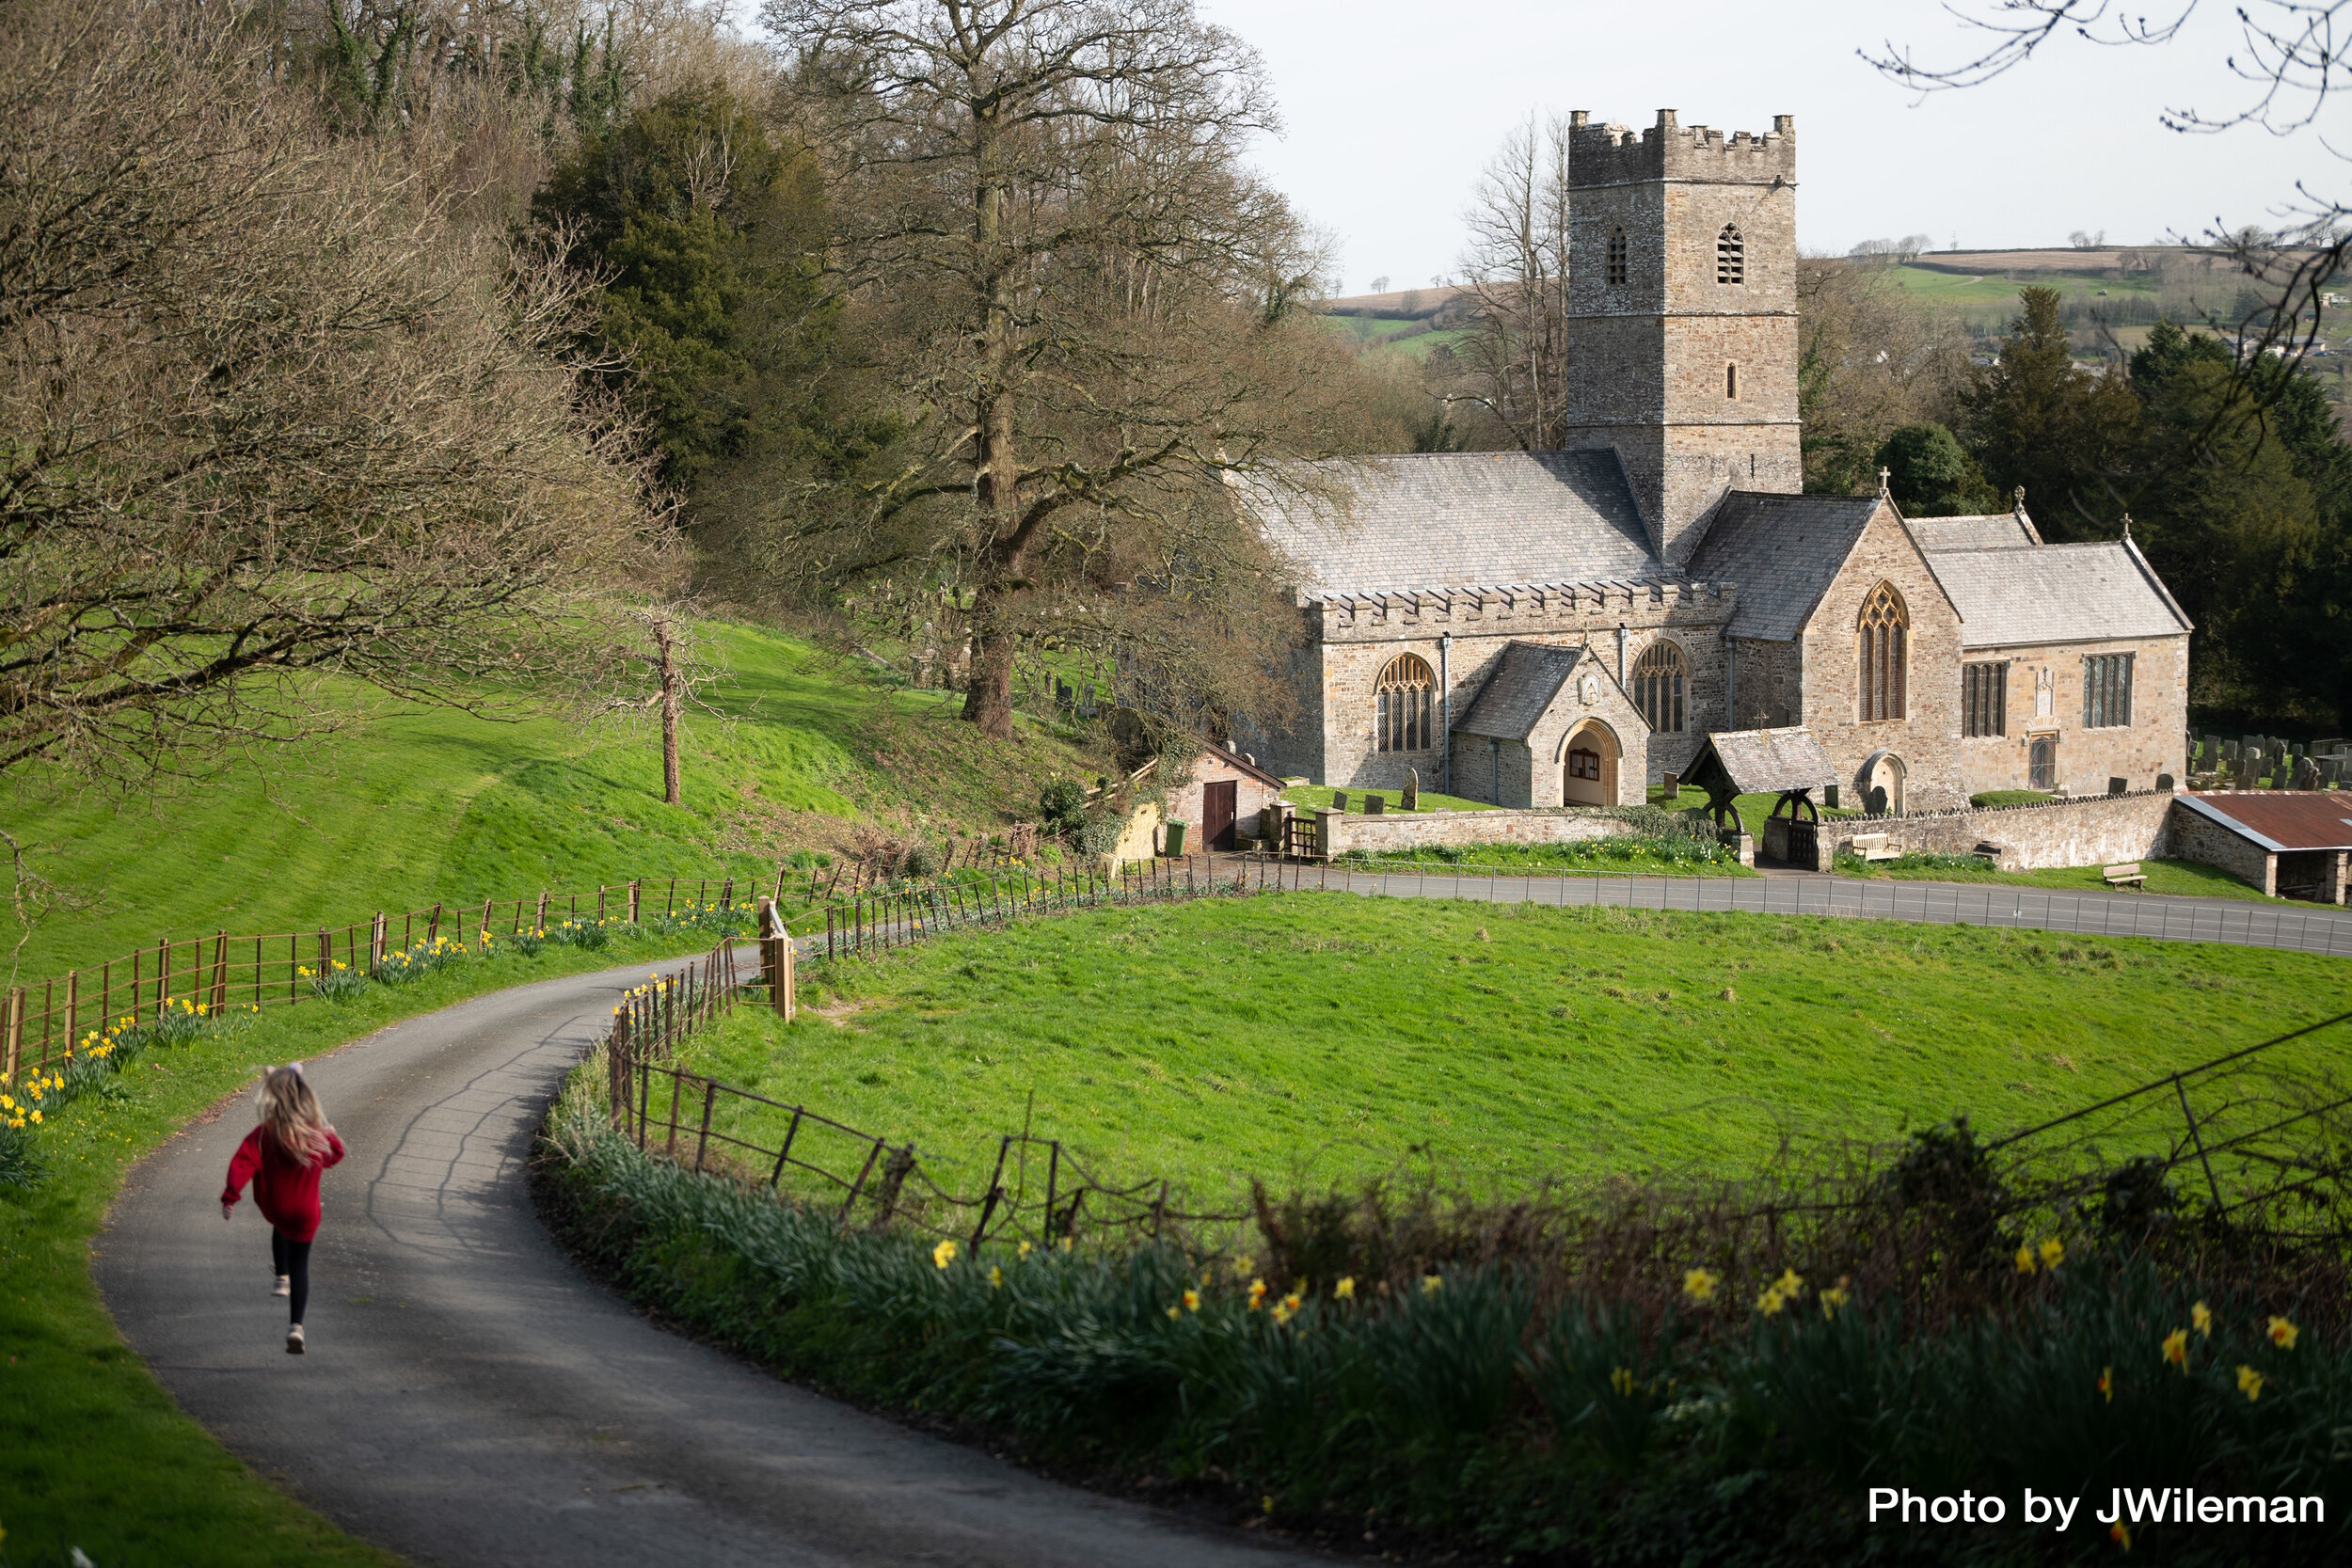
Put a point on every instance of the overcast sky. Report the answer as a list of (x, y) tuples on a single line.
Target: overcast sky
[(1391, 110)]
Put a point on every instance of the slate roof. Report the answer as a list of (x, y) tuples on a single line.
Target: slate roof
[(1998, 531), (2280, 819), (2055, 593), (1462, 519), (1766, 761), (1783, 551), (1522, 688)]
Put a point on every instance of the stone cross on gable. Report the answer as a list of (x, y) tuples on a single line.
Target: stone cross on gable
[(1884, 474)]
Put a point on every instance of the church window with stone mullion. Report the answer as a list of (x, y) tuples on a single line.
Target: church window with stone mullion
[(1660, 678), (1882, 633), (1408, 705)]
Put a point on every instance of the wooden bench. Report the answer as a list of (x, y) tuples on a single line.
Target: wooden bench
[(2127, 875), (1873, 846)]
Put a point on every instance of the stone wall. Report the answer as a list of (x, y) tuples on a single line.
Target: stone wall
[(1927, 737), (2199, 838), (1358, 636), (2102, 830), (1423, 829), (2154, 742), (1768, 684)]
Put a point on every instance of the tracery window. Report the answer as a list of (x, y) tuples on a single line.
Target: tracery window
[(1661, 682), (1879, 638), (1407, 694), (1731, 256), (2106, 691), (1616, 258)]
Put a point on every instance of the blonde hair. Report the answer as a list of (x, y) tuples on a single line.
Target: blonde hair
[(291, 1112)]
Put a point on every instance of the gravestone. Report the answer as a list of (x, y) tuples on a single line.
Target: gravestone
[(1375, 805), (2228, 750), (1339, 800), (1412, 790), (2119, 786), (1829, 796)]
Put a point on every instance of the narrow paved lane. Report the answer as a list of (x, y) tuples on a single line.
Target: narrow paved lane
[(472, 1398)]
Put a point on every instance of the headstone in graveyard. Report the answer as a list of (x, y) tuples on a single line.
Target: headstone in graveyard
[(1339, 800), (2119, 786), (1375, 805), (1412, 790), (1674, 788), (2164, 783)]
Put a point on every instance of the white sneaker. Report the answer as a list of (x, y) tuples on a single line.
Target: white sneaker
[(294, 1340), (284, 1287)]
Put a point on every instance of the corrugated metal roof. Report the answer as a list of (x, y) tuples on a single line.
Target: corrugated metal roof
[(1759, 761), (1782, 552), (1997, 530), (2281, 819), (2055, 593), (1522, 689), (1464, 519)]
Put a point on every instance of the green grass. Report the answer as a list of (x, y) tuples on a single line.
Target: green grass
[(412, 804), (1309, 797), (1594, 856), (2183, 879), (1989, 798), (1317, 1038), (1368, 333), (94, 1453)]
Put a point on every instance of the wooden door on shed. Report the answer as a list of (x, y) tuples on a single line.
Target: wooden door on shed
[(1216, 813)]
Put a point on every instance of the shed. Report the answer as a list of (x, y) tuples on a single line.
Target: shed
[(2293, 844)]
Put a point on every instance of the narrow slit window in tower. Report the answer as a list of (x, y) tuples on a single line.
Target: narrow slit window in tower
[(1731, 382), (1731, 256)]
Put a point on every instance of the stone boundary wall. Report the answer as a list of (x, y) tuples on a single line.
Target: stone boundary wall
[(2099, 829), (2198, 837), (1343, 830)]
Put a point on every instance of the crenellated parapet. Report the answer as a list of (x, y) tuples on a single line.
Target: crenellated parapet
[(1618, 154), (1524, 609)]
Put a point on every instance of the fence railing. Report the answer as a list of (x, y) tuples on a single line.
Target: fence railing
[(42, 1022)]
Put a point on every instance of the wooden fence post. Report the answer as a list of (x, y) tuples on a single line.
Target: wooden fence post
[(634, 892), (599, 903), (15, 1036), (433, 932), (702, 1142), (72, 1009), (220, 974), (788, 999)]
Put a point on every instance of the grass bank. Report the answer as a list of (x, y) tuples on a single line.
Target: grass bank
[(1315, 1039), (405, 805), (2183, 879), (1663, 855), (94, 1453)]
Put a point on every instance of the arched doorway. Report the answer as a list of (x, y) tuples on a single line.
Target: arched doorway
[(1882, 785), (1588, 771)]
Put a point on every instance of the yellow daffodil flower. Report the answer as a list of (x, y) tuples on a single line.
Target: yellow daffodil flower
[(2025, 1260), (996, 1277), (2053, 1253), (2249, 1383), (1622, 1381), (1281, 1313), (1192, 1301), (2201, 1319), (1699, 1285), (1174, 1313), (944, 1254), (2118, 1533), (1345, 1288), (1432, 1283), (2106, 1384), (2176, 1348), (2282, 1333)]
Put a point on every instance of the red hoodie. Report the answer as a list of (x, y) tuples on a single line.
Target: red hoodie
[(285, 1189)]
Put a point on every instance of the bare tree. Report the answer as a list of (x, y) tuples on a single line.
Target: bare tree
[(1513, 364), (269, 411), (672, 666), (1079, 305), (1869, 362)]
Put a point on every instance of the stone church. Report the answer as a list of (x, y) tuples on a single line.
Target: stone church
[(1563, 627)]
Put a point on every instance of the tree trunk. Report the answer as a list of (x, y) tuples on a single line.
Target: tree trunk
[(988, 696), (670, 703)]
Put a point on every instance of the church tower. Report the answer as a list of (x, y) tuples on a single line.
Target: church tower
[(1682, 290)]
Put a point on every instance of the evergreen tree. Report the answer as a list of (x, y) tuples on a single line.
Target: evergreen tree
[(2035, 418), (1929, 476)]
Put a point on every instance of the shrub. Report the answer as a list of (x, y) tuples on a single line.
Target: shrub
[(1061, 808), (339, 982)]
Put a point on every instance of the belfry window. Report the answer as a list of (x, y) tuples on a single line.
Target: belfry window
[(1407, 707), (1616, 258), (1661, 681), (1879, 650), (1731, 256)]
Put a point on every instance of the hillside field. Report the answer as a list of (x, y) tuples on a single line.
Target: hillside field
[(405, 804), (1318, 1038)]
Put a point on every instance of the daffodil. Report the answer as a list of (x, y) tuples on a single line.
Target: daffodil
[(1192, 1301), (944, 1254), (1345, 1288), (2176, 1348), (2106, 1384), (1025, 1250), (2249, 1383), (2053, 1253), (2025, 1260), (1432, 1283), (1282, 1312), (1699, 1285), (2118, 1532), (2201, 1319), (1243, 1266), (1834, 1298), (996, 1277), (1174, 1313), (1257, 1294), (1622, 1381), (2282, 1333)]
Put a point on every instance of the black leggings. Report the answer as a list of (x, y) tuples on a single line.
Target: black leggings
[(292, 1258)]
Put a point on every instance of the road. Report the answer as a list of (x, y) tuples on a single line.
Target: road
[(470, 1397)]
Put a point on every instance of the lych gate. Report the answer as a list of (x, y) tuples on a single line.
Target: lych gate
[(1789, 763)]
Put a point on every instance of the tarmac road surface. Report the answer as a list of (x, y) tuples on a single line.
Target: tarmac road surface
[(470, 1397)]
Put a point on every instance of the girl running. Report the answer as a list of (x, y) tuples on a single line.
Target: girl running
[(284, 1158)]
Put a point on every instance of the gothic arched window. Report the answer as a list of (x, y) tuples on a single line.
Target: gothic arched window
[(1408, 695), (1731, 256), (1879, 639), (1616, 258), (1661, 679)]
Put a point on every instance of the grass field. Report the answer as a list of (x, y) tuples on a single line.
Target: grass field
[(412, 804), (1368, 333), (93, 1455), (1317, 1038), (1310, 796)]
